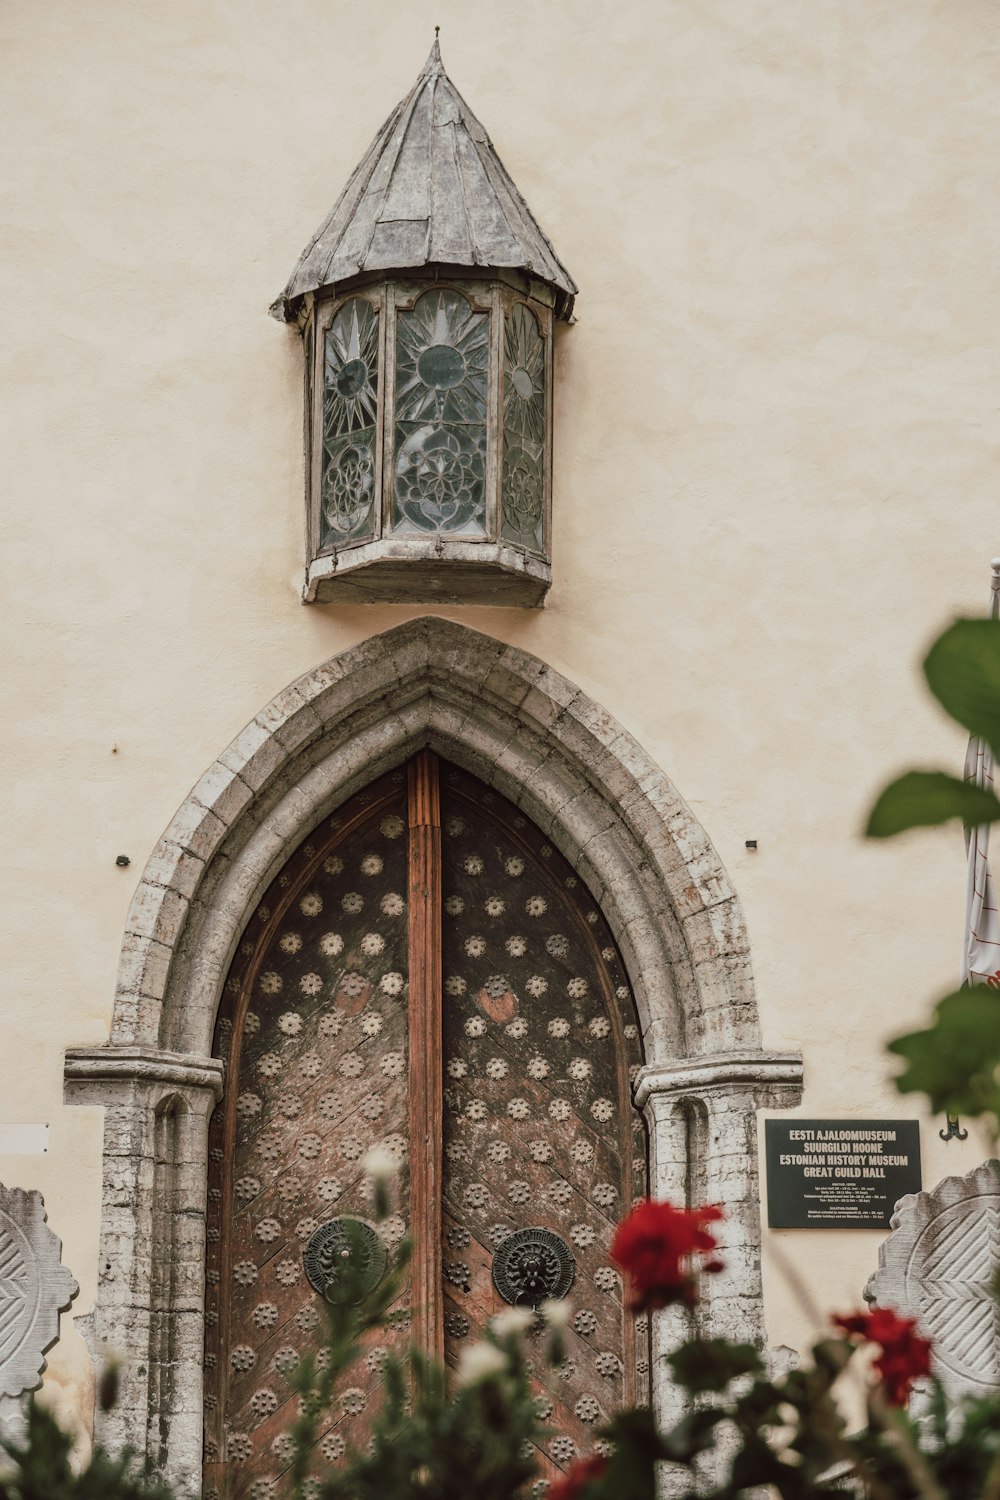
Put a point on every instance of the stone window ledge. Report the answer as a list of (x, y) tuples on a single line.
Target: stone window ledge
[(428, 570)]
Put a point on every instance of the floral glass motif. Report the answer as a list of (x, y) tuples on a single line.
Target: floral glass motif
[(523, 428), (350, 406), (442, 347)]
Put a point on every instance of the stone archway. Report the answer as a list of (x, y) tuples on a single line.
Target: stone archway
[(579, 776)]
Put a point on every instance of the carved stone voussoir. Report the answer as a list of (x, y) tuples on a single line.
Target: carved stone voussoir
[(34, 1289), (938, 1265)]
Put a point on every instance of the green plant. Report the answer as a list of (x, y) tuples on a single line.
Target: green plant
[(955, 1060)]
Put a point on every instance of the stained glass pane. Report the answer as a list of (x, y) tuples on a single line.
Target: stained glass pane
[(350, 406), (442, 347), (523, 491)]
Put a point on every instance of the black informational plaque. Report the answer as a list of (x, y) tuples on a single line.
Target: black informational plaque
[(839, 1174)]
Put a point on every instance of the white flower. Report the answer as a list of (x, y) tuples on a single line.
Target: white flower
[(380, 1164), (602, 1109), (454, 906), (536, 906), (512, 1322), (517, 1028), (559, 1027), (372, 943), (576, 989), (311, 905), (599, 1026), (392, 904), (352, 902), (473, 865), (538, 1068), (391, 984), (457, 1067), (475, 1026), (392, 826), (290, 942), (559, 1109), (536, 986), (479, 1362), (372, 864), (311, 984), (475, 947), (371, 1025), (496, 1068), (331, 943), (454, 827), (607, 954), (556, 1311), (516, 947), (495, 906), (454, 985), (579, 1068), (270, 983), (333, 865), (519, 1109), (514, 865), (290, 1023), (557, 945)]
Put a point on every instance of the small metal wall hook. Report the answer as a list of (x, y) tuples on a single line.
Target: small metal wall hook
[(954, 1131)]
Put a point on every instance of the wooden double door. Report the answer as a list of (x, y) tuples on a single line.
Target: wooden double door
[(426, 974)]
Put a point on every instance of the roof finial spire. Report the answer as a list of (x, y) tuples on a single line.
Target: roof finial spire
[(434, 64)]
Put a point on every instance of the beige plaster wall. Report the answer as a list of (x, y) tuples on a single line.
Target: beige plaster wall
[(777, 433)]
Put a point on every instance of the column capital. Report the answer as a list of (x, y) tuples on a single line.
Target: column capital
[(108, 1066), (722, 1072)]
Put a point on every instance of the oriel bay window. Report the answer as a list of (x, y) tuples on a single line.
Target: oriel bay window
[(427, 305), (411, 384)]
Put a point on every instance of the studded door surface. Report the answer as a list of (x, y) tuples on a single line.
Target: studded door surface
[(314, 1030), (426, 928), (539, 1035)]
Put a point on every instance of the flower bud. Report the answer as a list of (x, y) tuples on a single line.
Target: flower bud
[(479, 1362), (512, 1322)]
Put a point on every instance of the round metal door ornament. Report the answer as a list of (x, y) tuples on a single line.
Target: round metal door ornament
[(343, 1245), (531, 1265)]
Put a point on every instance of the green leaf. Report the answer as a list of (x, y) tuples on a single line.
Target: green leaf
[(710, 1364), (963, 673), (921, 799), (955, 1061)]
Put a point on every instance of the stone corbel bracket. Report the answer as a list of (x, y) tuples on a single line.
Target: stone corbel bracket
[(34, 1289), (766, 1074)]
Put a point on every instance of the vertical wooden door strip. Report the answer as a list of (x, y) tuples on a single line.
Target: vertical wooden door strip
[(424, 805)]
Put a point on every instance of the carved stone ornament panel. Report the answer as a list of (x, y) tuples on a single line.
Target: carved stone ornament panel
[(34, 1290), (937, 1266)]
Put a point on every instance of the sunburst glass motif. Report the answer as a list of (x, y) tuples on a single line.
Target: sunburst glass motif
[(350, 405), (524, 428), (441, 378)]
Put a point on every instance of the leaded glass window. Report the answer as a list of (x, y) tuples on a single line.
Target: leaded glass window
[(442, 348), (349, 489), (523, 486), (428, 430)]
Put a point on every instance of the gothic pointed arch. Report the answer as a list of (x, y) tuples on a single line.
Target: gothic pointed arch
[(519, 726)]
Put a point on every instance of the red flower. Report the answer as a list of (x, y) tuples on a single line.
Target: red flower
[(656, 1244), (905, 1356), (578, 1478)]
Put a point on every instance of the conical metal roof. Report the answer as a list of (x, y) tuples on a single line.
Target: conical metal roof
[(430, 190)]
